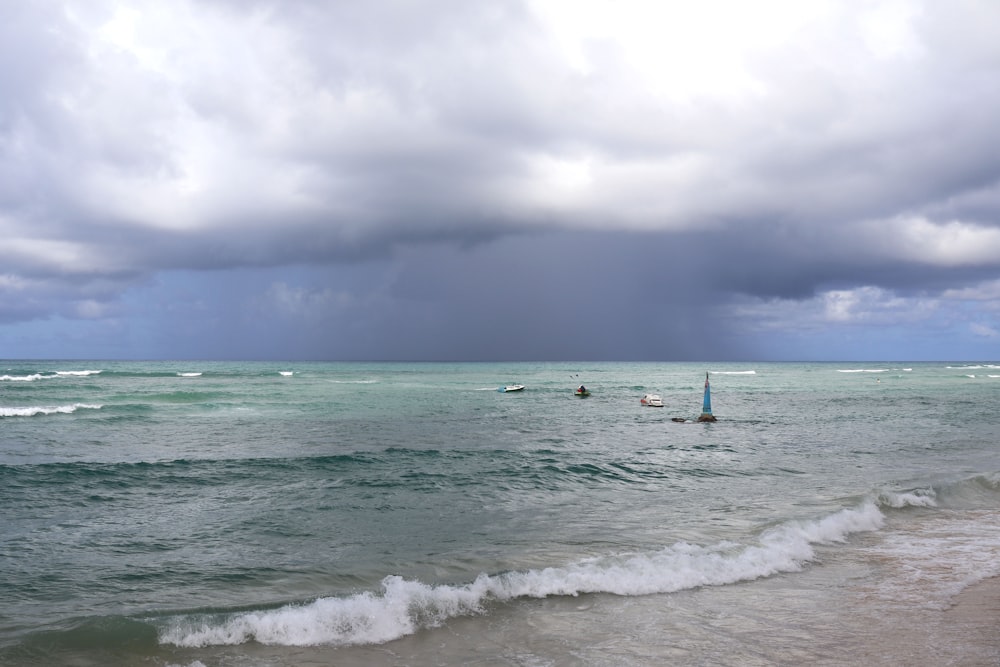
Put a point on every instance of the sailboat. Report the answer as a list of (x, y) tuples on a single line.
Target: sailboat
[(706, 404)]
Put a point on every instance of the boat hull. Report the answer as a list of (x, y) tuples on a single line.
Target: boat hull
[(651, 401)]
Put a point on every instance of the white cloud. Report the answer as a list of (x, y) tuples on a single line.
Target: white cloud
[(862, 306), (888, 29), (952, 243), (984, 330)]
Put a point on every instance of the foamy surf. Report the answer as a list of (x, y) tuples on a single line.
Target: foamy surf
[(26, 378), (915, 498), (46, 410), (31, 377), (403, 607), (939, 557)]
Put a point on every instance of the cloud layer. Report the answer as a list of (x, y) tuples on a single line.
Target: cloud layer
[(727, 179)]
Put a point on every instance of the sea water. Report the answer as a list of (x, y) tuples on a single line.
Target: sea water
[(210, 513)]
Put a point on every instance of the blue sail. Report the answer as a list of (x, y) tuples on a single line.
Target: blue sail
[(706, 406)]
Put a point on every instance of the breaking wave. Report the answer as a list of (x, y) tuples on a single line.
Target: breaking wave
[(403, 607), (44, 410), (25, 378), (31, 377)]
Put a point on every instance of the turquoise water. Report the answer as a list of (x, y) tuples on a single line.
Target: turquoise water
[(209, 513)]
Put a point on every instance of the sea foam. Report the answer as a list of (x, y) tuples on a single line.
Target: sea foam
[(31, 377), (404, 606), (915, 498), (25, 378), (42, 410)]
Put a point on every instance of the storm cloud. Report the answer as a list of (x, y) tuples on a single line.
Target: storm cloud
[(504, 180)]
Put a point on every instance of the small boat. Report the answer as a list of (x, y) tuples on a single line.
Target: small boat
[(510, 387), (582, 391), (652, 401)]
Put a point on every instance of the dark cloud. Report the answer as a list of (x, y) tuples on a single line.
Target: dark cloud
[(509, 180)]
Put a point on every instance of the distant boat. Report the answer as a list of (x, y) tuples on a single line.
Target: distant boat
[(510, 387), (582, 391), (652, 401)]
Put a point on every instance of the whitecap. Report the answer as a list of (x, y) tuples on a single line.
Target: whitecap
[(915, 498), (47, 410)]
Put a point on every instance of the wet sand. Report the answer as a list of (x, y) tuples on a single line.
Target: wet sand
[(966, 634), (975, 616)]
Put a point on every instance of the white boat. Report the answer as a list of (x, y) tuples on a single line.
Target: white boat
[(652, 401), (510, 387)]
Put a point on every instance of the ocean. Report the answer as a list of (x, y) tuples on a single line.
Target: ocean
[(205, 514)]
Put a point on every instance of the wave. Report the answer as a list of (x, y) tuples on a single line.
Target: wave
[(189, 375), (26, 378), (101, 632), (733, 372), (914, 498), (44, 410), (403, 607), (863, 370), (31, 377)]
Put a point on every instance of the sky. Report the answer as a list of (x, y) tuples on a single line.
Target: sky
[(504, 180)]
